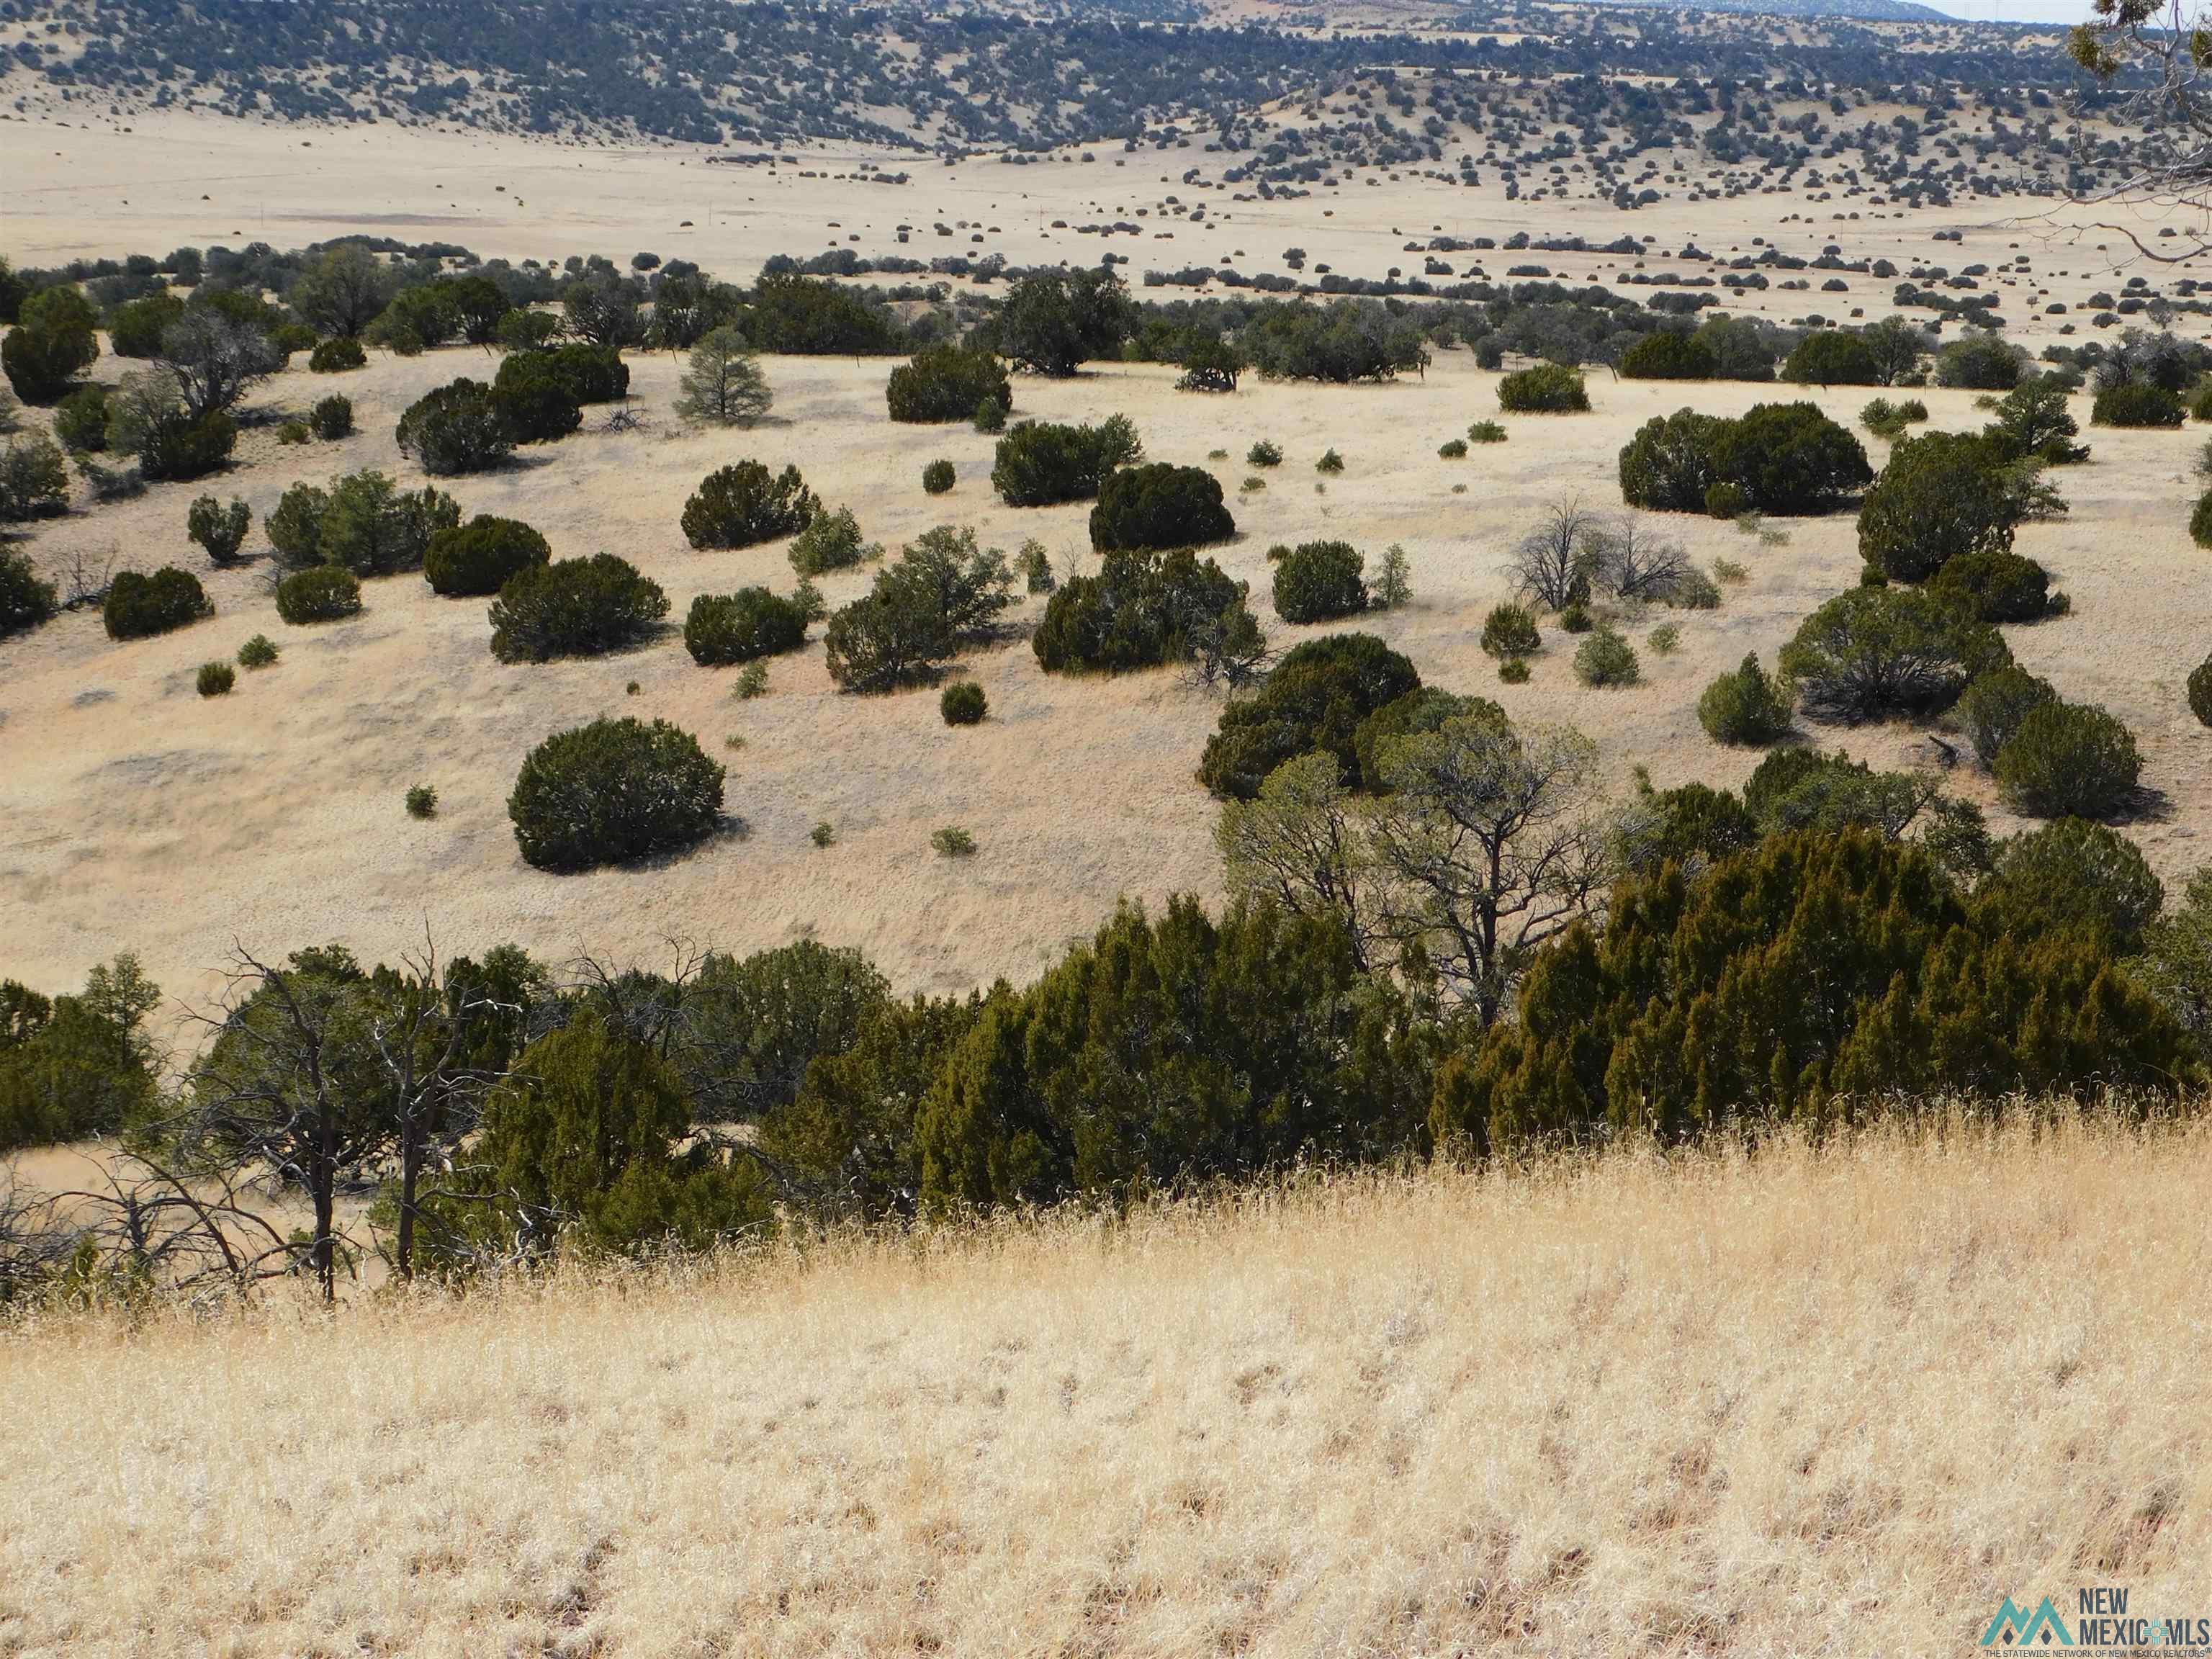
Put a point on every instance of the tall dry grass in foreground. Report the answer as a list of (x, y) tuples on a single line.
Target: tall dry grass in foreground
[(1838, 1402)]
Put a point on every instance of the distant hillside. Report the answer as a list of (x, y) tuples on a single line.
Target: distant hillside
[(1877, 11)]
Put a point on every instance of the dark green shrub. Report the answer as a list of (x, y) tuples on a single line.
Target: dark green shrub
[(1486, 432), (1140, 611), (1832, 357), (942, 590), (26, 601), (135, 329), (1886, 419), (2069, 761), (725, 629), (1942, 495), (1452, 449), (1990, 709), (1667, 466), (1979, 362), (1727, 500), (574, 608), (180, 448), (476, 558), (332, 418), (744, 504), (1791, 458), (1330, 462), (1916, 997), (216, 679), (1315, 698), (1039, 464), (1318, 581), (937, 478), (963, 703), (292, 432), (1514, 670), (1875, 652), (2200, 520), (259, 652), (1996, 587), (294, 528), (421, 801), (1668, 356), (952, 842), (1749, 708), (1546, 389), (337, 356), (587, 374), (2070, 873), (1510, 631), (1576, 618), (2136, 403), (51, 343), (138, 606), (458, 428), (33, 480), (535, 400), (75, 1067), (1264, 453), (1606, 658), (612, 792), (945, 383), (323, 592), (2200, 681), (990, 416), (80, 419), (1158, 505), (219, 529)]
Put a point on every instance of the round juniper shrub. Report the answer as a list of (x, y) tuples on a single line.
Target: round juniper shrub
[(138, 605), (1159, 505), (1510, 631), (421, 801), (259, 652), (1318, 581), (1668, 356), (990, 416), (1726, 500), (1514, 670), (1941, 495), (2200, 520), (731, 628), (1830, 357), (1452, 449), (612, 792), (1992, 707), (215, 679), (1748, 709), (946, 383), (321, 593), (1996, 586), (1264, 453), (744, 504), (337, 356), (456, 429), (963, 703), (332, 418), (1605, 658), (937, 478), (1546, 389), (574, 608), (475, 559), (2200, 692), (2138, 403), (27, 599), (2069, 761)]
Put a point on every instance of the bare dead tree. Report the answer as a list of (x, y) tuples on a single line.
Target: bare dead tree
[(1633, 560), (87, 574), (2171, 102), (1551, 564)]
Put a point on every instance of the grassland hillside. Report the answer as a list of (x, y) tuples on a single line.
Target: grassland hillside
[(1814, 1401)]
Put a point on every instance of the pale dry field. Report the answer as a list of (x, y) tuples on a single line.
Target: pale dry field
[(1807, 1403), (83, 185), (140, 816)]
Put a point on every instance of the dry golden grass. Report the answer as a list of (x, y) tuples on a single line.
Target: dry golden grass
[(1832, 1401)]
